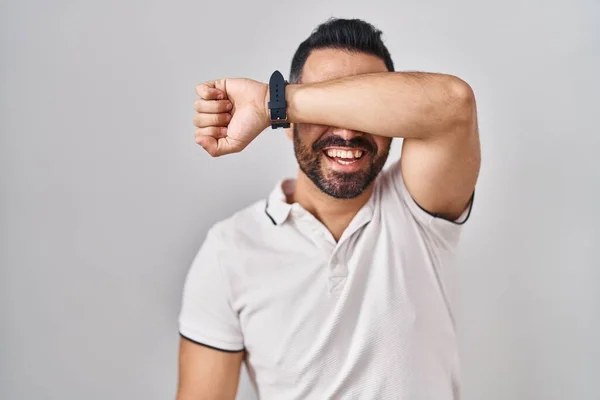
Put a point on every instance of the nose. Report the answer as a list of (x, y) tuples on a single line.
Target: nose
[(347, 134)]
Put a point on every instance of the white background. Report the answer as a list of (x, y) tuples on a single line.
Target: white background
[(105, 197)]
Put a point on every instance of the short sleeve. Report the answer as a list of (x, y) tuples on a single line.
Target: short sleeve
[(207, 316), (445, 231)]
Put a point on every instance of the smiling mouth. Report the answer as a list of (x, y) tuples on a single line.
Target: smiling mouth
[(344, 156)]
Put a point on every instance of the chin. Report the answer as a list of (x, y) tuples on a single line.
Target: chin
[(344, 185)]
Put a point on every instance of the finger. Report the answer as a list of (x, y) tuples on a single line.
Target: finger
[(208, 91), (212, 106), (213, 146), (202, 120), (214, 131)]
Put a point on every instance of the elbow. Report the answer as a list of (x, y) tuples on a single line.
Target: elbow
[(461, 94), (463, 99)]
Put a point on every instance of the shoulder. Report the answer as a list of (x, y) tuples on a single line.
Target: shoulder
[(394, 199), (240, 228)]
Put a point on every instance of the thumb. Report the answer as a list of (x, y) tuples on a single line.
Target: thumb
[(210, 91), (221, 85), (216, 147)]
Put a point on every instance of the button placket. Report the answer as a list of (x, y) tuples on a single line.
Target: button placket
[(336, 283), (355, 225), (338, 270)]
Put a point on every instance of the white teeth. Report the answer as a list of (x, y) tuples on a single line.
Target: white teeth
[(344, 154)]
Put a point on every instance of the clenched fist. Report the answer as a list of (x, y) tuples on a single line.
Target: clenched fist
[(230, 113)]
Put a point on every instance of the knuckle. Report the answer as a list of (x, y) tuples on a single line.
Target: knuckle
[(200, 89), (224, 118), (224, 106)]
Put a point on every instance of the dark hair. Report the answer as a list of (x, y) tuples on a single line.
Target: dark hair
[(346, 34)]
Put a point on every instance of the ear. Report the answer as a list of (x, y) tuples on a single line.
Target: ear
[(290, 132)]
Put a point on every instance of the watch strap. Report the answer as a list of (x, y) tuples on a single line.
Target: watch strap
[(277, 103)]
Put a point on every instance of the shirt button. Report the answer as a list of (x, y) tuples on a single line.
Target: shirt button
[(338, 269)]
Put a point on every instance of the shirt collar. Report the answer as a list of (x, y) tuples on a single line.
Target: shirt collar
[(277, 208)]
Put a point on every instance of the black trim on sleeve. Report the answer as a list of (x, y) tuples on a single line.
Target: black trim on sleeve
[(210, 347), (269, 215), (469, 204)]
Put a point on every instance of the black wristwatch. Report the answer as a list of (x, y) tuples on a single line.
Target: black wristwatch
[(277, 104)]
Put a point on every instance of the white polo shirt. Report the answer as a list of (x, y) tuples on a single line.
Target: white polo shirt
[(369, 317)]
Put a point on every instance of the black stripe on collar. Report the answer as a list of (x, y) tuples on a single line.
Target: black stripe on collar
[(267, 212)]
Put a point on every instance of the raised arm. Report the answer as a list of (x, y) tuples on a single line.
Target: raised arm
[(434, 113)]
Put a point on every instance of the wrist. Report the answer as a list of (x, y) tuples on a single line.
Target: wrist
[(266, 112), (290, 94), (278, 101)]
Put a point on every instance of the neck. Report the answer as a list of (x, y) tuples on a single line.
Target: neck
[(335, 214)]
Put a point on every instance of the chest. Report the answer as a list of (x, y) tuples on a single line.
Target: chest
[(302, 306)]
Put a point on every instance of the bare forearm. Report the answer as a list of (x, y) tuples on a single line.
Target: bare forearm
[(393, 104)]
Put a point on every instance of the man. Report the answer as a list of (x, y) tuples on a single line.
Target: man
[(338, 285)]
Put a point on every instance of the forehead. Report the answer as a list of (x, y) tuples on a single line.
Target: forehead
[(327, 64)]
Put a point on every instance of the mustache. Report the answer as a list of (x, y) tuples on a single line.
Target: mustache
[(358, 142)]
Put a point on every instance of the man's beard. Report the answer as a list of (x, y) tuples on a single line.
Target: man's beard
[(341, 185)]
